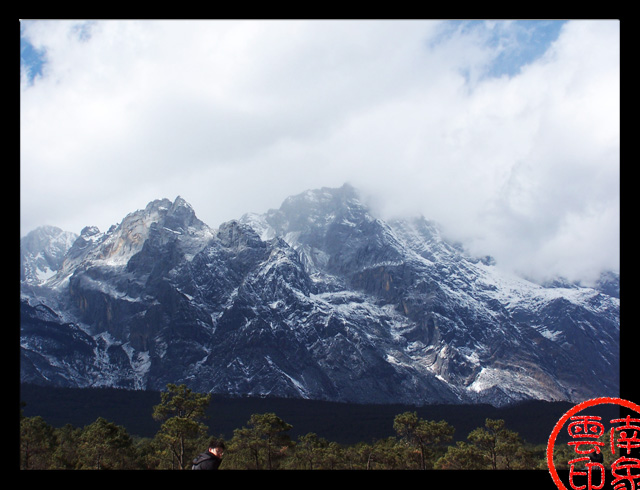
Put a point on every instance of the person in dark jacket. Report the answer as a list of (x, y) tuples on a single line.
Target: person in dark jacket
[(596, 457), (211, 458)]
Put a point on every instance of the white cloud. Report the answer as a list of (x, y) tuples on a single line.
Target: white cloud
[(235, 116)]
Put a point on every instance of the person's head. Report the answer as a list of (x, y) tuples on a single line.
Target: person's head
[(596, 456), (216, 447)]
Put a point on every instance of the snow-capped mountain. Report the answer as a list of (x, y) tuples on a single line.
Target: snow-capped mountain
[(317, 299), (42, 253)]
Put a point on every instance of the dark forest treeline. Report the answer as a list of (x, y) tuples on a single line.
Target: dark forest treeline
[(265, 442), (340, 422)]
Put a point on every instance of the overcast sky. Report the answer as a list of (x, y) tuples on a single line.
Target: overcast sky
[(506, 133)]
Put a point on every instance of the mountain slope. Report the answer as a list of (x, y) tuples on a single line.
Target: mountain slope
[(317, 299)]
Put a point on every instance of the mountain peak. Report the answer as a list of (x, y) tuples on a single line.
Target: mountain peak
[(42, 252), (323, 196), (179, 202), (181, 216), (89, 231)]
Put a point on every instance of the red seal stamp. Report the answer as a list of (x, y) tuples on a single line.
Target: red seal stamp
[(586, 432)]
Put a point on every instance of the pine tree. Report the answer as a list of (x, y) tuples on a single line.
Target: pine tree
[(105, 445), (264, 441), (425, 435), (463, 456), (37, 442), (181, 409), (308, 450), (66, 454), (499, 444)]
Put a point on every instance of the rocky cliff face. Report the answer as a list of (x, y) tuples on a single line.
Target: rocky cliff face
[(318, 299)]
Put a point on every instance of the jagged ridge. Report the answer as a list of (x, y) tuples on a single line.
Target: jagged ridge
[(317, 299)]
